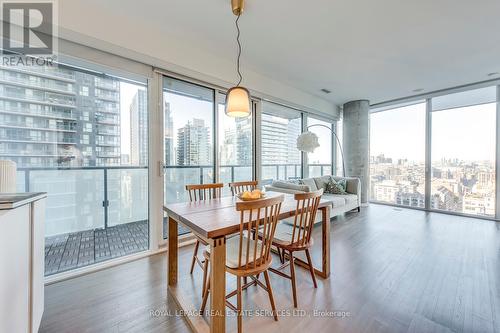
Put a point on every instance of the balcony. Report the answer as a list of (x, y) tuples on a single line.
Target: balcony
[(43, 98), (107, 95), (107, 120), (46, 84), (42, 113), (50, 72), (18, 137), (39, 127), (107, 84)]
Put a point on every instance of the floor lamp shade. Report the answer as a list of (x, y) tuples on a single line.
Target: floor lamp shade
[(7, 176), (238, 102)]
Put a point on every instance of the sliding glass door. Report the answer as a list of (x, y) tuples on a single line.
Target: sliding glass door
[(188, 139), (82, 137)]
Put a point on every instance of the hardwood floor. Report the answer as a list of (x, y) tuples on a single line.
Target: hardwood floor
[(393, 270)]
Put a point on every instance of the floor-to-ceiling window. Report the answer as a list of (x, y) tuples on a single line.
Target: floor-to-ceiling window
[(438, 154), (188, 116), (280, 127), (235, 146), (320, 161), (397, 155), (463, 152), (81, 137)]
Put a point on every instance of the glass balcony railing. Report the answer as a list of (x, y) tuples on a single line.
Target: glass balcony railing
[(38, 112), (56, 72), (105, 119), (45, 84), (45, 98), (107, 84), (39, 126), (10, 137)]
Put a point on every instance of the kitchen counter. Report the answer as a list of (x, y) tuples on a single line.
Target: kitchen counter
[(14, 200), (22, 261)]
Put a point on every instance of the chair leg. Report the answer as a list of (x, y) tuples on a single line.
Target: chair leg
[(271, 296), (196, 246), (238, 304), (281, 253), (292, 273), (205, 298), (205, 276), (311, 268)]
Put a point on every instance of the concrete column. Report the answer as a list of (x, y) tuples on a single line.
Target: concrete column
[(357, 143)]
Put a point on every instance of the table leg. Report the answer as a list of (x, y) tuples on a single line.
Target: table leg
[(218, 285), (172, 251), (325, 240)]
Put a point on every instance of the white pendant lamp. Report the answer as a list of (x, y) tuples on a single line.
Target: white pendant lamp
[(238, 98)]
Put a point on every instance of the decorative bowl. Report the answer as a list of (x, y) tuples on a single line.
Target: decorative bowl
[(262, 196)]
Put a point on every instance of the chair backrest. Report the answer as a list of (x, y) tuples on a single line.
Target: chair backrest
[(240, 187), (258, 217), (305, 214), (200, 192)]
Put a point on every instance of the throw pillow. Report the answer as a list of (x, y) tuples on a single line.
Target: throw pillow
[(342, 182), (334, 187)]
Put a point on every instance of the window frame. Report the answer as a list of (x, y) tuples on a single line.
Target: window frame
[(384, 106)]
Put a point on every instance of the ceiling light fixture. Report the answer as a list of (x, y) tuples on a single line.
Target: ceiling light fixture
[(238, 98), (418, 90), (493, 74)]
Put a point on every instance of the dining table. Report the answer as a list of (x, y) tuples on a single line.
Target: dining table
[(215, 220)]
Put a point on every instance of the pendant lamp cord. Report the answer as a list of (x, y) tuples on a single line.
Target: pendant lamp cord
[(239, 51)]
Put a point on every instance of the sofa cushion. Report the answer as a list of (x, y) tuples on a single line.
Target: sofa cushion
[(351, 199), (311, 183), (290, 186), (337, 199), (322, 181)]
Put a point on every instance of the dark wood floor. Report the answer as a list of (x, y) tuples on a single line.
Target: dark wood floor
[(394, 270)]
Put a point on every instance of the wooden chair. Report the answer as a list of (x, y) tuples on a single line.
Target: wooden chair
[(249, 257), (297, 237), (240, 187), (201, 192)]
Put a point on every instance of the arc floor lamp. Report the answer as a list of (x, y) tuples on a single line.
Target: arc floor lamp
[(308, 142)]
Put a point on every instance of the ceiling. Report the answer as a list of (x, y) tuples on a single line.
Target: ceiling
[(359, 49)]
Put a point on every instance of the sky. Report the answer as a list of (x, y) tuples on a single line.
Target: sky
[(466, 133)]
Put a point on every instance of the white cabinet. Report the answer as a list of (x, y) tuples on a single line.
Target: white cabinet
[(22, 265)]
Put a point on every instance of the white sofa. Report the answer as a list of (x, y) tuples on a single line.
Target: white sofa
[(341, 203)]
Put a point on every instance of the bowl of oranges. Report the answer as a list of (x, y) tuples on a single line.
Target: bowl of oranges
[(253, 195)]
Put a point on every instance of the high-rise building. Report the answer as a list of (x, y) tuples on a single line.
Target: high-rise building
[(57, 116), (168, 135), (244, 141), (279, 137), (194, 144), (139, 129)]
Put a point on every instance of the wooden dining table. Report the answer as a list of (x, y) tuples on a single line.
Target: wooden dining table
[(215, 220)]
